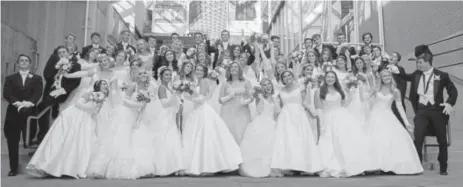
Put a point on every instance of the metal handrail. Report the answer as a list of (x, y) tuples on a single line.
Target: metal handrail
[(37, 117), (445, 39)]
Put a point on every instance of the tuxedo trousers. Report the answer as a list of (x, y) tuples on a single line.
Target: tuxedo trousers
[(430, 121), (15, 122)]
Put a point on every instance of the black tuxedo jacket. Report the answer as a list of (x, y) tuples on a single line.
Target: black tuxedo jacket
[(68, 85), (14, 91), (120, 47), (88, 47), (439, 85)]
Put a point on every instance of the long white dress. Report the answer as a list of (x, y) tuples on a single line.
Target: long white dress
[(392, 147), (214, 101), (344, 146), (257, 146), (122, 153), (67, 147), (295, 147), (209, 146), (167, 142)]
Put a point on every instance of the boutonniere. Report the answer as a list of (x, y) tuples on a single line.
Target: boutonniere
[(437, 77), (29, 75)]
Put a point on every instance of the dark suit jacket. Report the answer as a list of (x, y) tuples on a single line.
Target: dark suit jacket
[(120, 47), (68, 85), (14, 90), (88, 47), (439, 85)]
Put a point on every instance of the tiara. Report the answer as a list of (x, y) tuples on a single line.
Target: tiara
[(161, 69)]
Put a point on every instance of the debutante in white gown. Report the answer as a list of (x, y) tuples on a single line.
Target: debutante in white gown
[(209, 146), (295, 147), (214, 101), (343, 144), (67, 147), (122, 153), (392, 147), (257, 146), (167, 142)]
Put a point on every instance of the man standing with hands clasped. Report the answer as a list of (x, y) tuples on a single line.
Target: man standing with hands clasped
[(22, 91), (427, 98)]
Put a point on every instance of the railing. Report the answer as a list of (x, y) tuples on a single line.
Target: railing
[(28, 125)]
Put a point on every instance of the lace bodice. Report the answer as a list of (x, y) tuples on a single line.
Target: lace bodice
[(332, 100), (383, 101), (293, 97)]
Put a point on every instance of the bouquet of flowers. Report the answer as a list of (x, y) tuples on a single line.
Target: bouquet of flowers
[(327, 66), (97, 97), (352, 82), (256, 91), (214, 74), (311, 80), (320, 78), (63, 65), (184, 86), (143, 97), (362, 77)]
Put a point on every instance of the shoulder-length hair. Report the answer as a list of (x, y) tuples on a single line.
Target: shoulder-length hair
[(380, 83), (354, 66), (174, 61), (330, 55), (182, 71), (336, 85), (305, 66), (317, 60), (232, 54), (97, 86), (275, 71), (208, 58), (240, 72), (205, 69)]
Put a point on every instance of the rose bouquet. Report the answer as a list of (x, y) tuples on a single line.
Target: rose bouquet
[(352, 82), (97, 97), (327, 66), (143, 97), (256, 91), (214, 75), (310, 80), (184, 86)]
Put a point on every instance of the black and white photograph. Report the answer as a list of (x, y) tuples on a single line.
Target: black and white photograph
[(248, 93)]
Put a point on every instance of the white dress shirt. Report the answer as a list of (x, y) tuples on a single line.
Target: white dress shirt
[(426, 96), (125, 45), (96, 46), (24, 76)]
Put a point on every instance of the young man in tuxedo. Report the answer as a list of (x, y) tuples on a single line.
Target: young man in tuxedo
[(22, 91), (401, 83), (124, 44), (96, 39), (57, 89), (318, 46), (427, 97)]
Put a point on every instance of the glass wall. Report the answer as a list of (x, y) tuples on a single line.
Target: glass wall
[(297, 20)]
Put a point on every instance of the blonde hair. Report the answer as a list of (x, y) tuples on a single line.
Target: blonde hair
[(380, 83)]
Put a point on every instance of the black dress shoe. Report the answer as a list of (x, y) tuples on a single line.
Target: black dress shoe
[(12, 173), (443, 173)]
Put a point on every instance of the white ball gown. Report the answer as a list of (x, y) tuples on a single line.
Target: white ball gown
[(167, 143), (209, 146), (214, 101), (258, 141), (66, 149), (295, 147), (392, 148), (124, 150), (343, 144)]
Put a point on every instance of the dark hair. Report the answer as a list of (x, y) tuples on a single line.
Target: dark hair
[(274, 37), (282, 73), (228, 32), (174, 62), (316, 35), (24, 55), (232, 55), (340, 34), (354, 66), (62, 47), (133, 60), (124, 31), (95, 34), (150, 36), (427, 57), (336, 85), (366, 34), (161, 73), (70, 34), (173, 34), (97, 86), (373, 47), (205, 69), (399, 57), (345, 60), (198, 33), (308, 39)]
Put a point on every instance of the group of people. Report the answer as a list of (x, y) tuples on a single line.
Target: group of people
[(126, 112)]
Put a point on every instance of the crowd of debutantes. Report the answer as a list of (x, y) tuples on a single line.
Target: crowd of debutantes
[(129, 112)]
